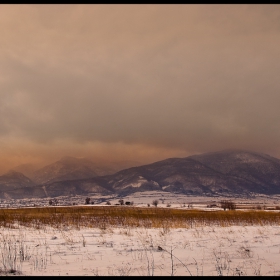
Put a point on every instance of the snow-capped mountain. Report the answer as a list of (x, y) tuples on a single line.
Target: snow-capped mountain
[(228, 172)]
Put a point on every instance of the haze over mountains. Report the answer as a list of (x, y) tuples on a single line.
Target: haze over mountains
[(71, 168), (229, 172)]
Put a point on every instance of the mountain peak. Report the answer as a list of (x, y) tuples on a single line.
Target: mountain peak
[(71, 159), (13, 180)]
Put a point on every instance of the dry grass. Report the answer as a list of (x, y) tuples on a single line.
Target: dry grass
[(121, 216)]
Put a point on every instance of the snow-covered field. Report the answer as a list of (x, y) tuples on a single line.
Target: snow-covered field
[(235, 250), (127, 251), (141, 199)]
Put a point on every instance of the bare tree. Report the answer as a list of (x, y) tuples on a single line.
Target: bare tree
[(121, 201), (228, 204), (155, 202), (224, 204), (87, 200), (232, 205)]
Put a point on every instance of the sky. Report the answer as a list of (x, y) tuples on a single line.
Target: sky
[(140, 82)]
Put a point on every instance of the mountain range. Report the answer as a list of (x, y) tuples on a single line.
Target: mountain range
[(227, 173)]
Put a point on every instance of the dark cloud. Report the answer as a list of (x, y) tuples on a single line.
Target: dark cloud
[(182, 79)]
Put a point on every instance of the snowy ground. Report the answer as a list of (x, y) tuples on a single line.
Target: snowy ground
[(125, 251), (235, 250)]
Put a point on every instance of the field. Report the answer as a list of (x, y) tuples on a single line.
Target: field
[(127, 240)]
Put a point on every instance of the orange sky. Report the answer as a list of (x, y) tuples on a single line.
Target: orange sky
[(137, 82)]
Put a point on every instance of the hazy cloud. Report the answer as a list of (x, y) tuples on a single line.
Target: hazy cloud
[(171, 79)]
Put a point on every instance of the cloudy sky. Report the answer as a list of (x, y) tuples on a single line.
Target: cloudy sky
[(137, 82)]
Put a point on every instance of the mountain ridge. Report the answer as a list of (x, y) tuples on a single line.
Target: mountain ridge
[(227, 172), (69, 167)]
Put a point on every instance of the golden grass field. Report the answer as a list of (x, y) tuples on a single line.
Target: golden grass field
[(106, 216)]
